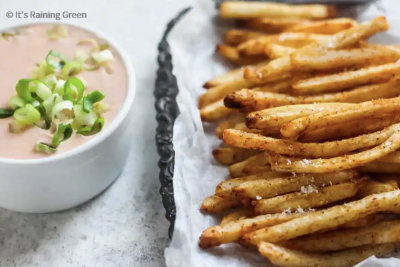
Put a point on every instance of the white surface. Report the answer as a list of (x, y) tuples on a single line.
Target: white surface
[(193, 44), (125, 226)]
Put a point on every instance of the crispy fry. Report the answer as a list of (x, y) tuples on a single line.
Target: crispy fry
[(391, 179), (385, 232), (381, 167), (278, 186), (236, 216), (228, 124), (325, 219), (232, 54), (345, 80), (215, 204), (236, 37), (256, 164), (331, 26), (350, 58), (281, 256), (368, 220), (373, 187), (246, 10), (343, 39), (215, 111), (274, 51), (225, 188), (232, 155), (313, 150), (242, 127), (318, 198), (222, 234)]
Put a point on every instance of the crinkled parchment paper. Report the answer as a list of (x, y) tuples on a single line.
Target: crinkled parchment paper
[(193, 43)]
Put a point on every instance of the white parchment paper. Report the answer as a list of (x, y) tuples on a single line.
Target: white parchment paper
[(196, 174)]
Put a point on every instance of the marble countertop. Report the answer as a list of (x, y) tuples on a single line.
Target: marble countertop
[(125, 226)]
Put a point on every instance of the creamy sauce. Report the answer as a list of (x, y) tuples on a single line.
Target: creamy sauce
[(18, 57)]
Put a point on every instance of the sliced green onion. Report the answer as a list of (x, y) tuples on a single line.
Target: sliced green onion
[(83, 118), (62, 110), (50, 80), (41, 70), (47, 123), (7, 35), (101, 108), (103, 57), (68, 89), (35, 103), (92, 130), (57, 31), (90, 99), (59, 89), (16, 102), (53, 63), (5, 113), (64, 131), (104, 46), (42, 90), (17, 127), (49, 103), (71, 68), (27, 114), (45, 148), (23, 90), (81, 56), (26, 88), (90, 41)]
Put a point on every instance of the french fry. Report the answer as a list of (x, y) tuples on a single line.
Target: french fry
[(242, 127), (232, 54), (364, 110), (331, 26), (228, 124), (256, 164), (223, 234), (318, 198), (285, 164), (344, 39), (232, 155), (281, 256), (325, 219), (381, 167), (349, 58), (368, 220), (215, 111), (274, 51), (246, 10), (278, 186), (373, 187), (236, 216), (225, 188), (236, 37), (276, 117), (215, 204), (313, 150), (390, 179), (345, 80), (383, 233)]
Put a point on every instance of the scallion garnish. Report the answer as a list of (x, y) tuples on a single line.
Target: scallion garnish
[(64, 130), (5, 113), (71, 84), (46, 119), (16, 102), (27, 114), (45, 148), (90, 99), (56, 64), (62, 110), (102, 57), (23, 90), (92, 130), (71, 68)]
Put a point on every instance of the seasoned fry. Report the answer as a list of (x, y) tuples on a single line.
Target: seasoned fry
[(236, 37), (381, 167), (242, 127), (345, 80), (232, 155), (222, 234), (368, 220), (273, 25), (373, 187), (256, 164), (228, 124), (331, 26), (274, 51), (236, 216), (318, 198), (313, 150), (385, 232), (225, 188), (349, 58), (278, 186), (285, 164), (246, 10), (343, 39), (390, 179), (215, 204), (325, 219), (281, 256), (215, 112), (232, 54)]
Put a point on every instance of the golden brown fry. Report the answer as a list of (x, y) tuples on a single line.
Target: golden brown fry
[(225, 188), (222, 234), (325, 219), (368, 220), (345, 80), (256, 164), (390, 179), (228, 124), (242, 127), (246, 10), (232, 54), (274, 51), (285, 164), (232, 155), (373, 187), (330, 26), (343, 39), (236, 37), (272, 25), (312, 150), (294, 201), (215, 204), (215, 111), (381, 167), (349, 58), (385, 232), (236, 216), (278, 186), (281, 256)]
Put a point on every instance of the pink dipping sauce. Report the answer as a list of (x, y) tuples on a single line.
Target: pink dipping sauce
[(19, 56)]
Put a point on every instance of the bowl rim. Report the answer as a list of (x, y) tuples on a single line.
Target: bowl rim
[(112, 127)]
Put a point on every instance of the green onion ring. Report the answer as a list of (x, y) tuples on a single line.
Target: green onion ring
[(53, 63), (63, 129), (27, 114), (92, 130), (71, 68), (68, 89), (45, 148), (90, 99)]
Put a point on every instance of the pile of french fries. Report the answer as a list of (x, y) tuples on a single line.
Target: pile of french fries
[(311, 136)]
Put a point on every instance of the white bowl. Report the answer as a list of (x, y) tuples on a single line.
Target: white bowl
[(68, 179)]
